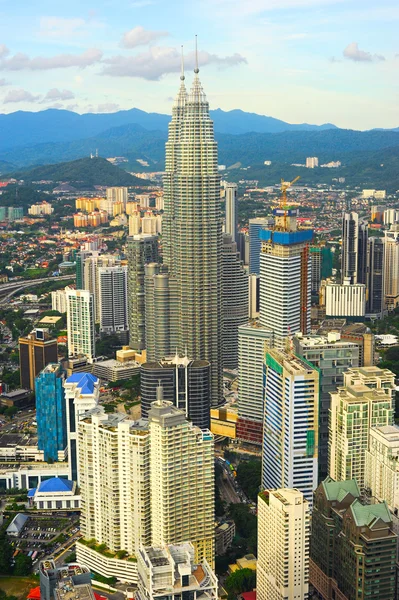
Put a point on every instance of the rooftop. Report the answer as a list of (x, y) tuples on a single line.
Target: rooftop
[(369, 514), (85, 381), (337, 490)]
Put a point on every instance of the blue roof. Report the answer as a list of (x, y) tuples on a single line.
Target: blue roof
[(31, 492), (85, 381), (56, 484)]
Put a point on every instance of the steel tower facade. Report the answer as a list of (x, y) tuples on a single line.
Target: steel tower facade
[(192, 238)]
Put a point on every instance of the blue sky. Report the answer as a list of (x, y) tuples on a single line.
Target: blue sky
[(312, 61)]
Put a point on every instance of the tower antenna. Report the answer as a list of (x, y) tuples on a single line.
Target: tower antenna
[(196, 70), (182, 77)]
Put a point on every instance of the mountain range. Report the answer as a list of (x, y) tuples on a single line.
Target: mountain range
[(53, 136), (52, 125)]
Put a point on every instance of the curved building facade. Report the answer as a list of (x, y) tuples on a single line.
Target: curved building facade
[(185, 382)]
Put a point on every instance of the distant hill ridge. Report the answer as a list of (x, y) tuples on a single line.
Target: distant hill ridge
[(23, 128), (89, 171)]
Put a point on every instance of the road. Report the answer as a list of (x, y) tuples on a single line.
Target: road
[(229, 488), (12, 287)]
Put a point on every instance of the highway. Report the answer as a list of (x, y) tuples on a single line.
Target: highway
[(11, 287)]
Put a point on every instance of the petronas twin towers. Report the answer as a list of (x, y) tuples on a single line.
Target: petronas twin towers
[(192, 234)]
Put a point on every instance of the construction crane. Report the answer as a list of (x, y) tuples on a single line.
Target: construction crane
[(284, 187)]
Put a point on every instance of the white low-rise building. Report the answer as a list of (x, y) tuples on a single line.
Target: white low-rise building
[(55, 494)]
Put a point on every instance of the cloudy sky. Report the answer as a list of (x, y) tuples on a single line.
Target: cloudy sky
[(312, 61)]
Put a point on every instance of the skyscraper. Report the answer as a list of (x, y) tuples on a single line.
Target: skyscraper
[(81, 394), (391, 267), (285, 277), (185, 382), (364, 401), (182, 481), (375, 277), (91, 280), (192, 240), (160, 312), (291, 423), (349, 251), (354, 249), (36, 350), (113, 301), (80, 323), (234, 300), (115, 488), (382, 465), (231, 219), (146, 482), (331, 355), (255, 226), (51, 411), (282, 571), (253, 341), (141, 250)]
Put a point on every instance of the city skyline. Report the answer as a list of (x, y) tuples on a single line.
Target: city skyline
[(94, 60)]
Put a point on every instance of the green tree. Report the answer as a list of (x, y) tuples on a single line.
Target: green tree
[(11, 411), (243, 580), (5, 553), (23, 565), (249, 477)]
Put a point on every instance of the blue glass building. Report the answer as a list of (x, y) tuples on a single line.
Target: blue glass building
[(51, 411)]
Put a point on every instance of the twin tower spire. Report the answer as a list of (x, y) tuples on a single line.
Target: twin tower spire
[(196, 92)]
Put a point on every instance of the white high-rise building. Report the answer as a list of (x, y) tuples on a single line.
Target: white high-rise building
[(90, 276), (114, 480), (231, 202), (285, 277), (80, 323), (144, 483), (291, 424), (134, 223), (282, 571), (391, 267), (117, 194), (82, 392), (364, 401), (253, 296), (382, 465), (182, 481), (253, 342), (59, 300), (312, 162), (113, 301), (173, 570)]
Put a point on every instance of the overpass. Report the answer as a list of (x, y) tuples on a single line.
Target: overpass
[(7, 290)]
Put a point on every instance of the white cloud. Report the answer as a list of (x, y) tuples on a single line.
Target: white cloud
[(353, 52), (22, 62), (3, 82), (138, 36), (20, 96), (158, 61), (3, 50), (55, 94), (107, 107)]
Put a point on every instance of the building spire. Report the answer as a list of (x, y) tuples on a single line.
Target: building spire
[(196, 70), (182, 77)]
